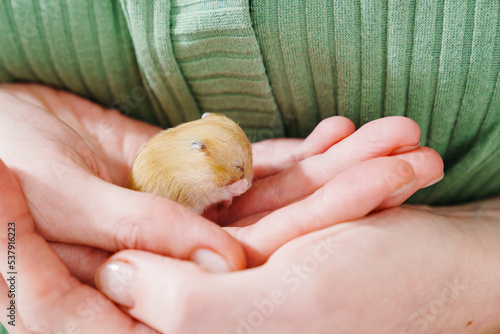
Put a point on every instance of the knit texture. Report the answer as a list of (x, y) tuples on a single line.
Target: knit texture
[(279, 67)]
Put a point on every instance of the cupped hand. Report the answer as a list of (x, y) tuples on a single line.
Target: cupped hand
[(41, 295), (72, 159), (334, 175), (411, 269)]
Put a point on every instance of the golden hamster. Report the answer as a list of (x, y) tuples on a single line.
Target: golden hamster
[(196, 164)]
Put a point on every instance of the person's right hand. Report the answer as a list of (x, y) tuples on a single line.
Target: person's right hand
[(71, 156), (41, 295)]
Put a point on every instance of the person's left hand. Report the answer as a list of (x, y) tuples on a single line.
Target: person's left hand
[(406, 270)]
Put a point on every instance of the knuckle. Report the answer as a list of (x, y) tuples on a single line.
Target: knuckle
[(325, 165), (314, 211), (404, 169), (297, 155), (129, 233), (276, 194)]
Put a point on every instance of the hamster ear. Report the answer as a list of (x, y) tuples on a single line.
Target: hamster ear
[(205, 115), (198, 145)]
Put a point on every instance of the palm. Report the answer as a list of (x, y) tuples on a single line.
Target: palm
[(84, 217), (420, 265), (85, 140)]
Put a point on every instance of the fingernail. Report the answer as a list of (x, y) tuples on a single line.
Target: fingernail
[(116, 279), (436, 180), (404, 149), (210, 260), (403, 188)]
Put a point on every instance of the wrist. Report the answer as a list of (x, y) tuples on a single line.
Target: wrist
[(479, 274)]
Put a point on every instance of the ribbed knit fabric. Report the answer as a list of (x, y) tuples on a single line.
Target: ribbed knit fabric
[(219, 56), (280, 66)]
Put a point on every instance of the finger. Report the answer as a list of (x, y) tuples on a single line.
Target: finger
[(115, 138), (274, 155), (44, 305), (351, 194), (175, 296), (112, 218), (429, 169), (378, 138), (426, 163), (82, 261)]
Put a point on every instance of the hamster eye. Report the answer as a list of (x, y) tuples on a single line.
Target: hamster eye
[(240, 168), (198, 145)]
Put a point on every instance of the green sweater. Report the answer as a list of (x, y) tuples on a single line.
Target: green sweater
[(280, 66)]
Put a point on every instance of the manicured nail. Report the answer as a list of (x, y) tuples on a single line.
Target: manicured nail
[(436, 180), (403, 188), (116, 279), (210, 260), (404, 149)]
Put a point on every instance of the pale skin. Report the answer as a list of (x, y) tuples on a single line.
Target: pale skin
[(280, 236)]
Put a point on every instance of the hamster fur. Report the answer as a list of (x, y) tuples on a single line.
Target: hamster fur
[(196, 164)]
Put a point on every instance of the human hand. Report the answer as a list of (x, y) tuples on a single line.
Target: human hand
[(333, 172), (46, 297), (412, 269), (71, 157)]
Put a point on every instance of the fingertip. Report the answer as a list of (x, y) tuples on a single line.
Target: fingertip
[(428, 168), (210, 246), (149, 286), (227, 256), (433, 181), (398, 121), (336, 123), (210, 260), (436, 158), (327, 133), (399, 131), (427, 163), (332, 129)]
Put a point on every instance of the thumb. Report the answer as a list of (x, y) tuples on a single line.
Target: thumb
[(113, 218), (174, 296)]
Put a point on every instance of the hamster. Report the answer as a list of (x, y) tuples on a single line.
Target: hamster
[(195, 164)]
